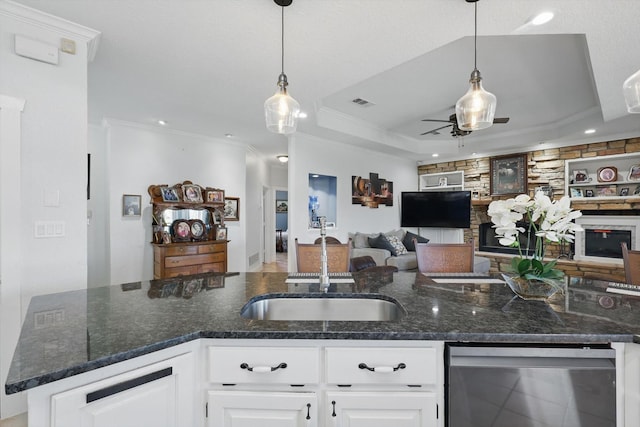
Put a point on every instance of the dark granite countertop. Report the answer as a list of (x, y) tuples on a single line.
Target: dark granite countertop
[(69, 333)]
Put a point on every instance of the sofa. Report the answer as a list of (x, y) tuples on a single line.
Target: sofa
[(395, 248)]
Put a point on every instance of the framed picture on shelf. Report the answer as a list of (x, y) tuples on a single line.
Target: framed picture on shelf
[(634, 173), (624, 191), (580, 175), (606, 191), (232, 209), (442, 181), (191, 193), (169, 194), (131, 205), (508, 174), (282, 206), (576, 192), (221, 233), (588, 193), (215, 196)]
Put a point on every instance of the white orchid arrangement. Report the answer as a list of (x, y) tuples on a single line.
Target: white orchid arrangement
[(550, 221)]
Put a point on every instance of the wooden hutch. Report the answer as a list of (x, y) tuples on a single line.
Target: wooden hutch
[(189, 236)]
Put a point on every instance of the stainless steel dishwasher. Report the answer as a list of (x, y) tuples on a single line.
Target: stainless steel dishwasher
[(522, 386)]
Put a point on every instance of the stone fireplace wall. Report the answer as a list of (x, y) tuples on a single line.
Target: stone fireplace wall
[(544, 168)]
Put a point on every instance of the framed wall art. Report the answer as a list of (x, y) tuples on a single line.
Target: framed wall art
[(282, 206), (508, 174), (232, 209), (131, 204)]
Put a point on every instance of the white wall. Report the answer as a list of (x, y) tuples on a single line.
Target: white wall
[(139, 156), (343, 161), (253, 215), (97, 210), (52, 169)]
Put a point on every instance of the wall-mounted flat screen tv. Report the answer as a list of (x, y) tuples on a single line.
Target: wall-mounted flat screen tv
[(444, 209)]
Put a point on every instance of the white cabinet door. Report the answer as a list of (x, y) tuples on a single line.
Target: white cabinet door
[(381, 409), (261, 409), (158, 395)]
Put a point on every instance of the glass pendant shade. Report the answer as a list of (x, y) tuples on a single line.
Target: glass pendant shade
[(476, 109), (281, 110), (631, 90)]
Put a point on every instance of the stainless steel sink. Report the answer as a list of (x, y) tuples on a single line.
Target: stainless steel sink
[(336, 307)]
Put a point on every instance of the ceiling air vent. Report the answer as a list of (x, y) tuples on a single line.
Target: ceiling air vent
[(362, 102)]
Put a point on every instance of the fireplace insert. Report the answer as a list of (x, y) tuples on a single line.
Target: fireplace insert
[(488, 242)]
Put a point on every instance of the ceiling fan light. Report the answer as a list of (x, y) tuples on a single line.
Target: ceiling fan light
[(631, 90), (477, 108), (281, 110)]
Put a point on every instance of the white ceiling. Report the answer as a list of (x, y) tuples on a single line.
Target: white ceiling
[(206, 66)]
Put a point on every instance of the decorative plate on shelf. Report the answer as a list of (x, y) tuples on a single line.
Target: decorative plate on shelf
[(181, 231), (607, 174), (197, 229)]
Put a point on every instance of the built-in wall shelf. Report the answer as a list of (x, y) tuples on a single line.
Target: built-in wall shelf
[(603, 178), (442, 181)]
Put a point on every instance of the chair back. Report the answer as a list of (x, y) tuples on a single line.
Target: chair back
[(328, 239), (445, 257), (308, 257), (631, 265)]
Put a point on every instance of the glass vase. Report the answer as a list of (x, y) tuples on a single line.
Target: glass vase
[(533, 289)]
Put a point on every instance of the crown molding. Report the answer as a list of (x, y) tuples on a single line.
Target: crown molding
[(49, 22)]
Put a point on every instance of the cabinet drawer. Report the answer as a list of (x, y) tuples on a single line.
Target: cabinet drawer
[(180, 271), (180, 261), (207, 249), (217, 267), (344, 365), (181, 250), (230, 365)]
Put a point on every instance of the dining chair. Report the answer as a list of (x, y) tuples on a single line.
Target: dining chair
[(445, 257), (631, 261), (308, 256)]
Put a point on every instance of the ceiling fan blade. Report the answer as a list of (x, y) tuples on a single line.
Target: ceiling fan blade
[(501, 120), (435, 131), (436, 120)]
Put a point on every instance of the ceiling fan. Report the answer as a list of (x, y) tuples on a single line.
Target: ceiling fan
[(455, 130)]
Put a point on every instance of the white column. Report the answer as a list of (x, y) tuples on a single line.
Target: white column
[(10, 250)]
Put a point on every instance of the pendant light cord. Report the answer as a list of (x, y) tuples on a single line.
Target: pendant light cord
[(282, 38), (475, 36)]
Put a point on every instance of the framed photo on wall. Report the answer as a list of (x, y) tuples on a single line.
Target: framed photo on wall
[(282, 206), (232, 209), (131, 204), (508, 174)]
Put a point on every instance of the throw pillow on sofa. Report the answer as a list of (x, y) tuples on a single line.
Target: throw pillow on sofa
[(382, 242), (397, 245), (408, 241), (361, 240)]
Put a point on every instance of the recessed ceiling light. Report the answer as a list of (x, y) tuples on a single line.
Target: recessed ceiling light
[(315, 175), (589, 131), (162, 123), (228, 135), (435, 155), (542, 18), (283, 158), (302, 115)]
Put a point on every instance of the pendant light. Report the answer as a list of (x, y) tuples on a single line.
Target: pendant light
[(281, 111), (631, 90), (475, 110)]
